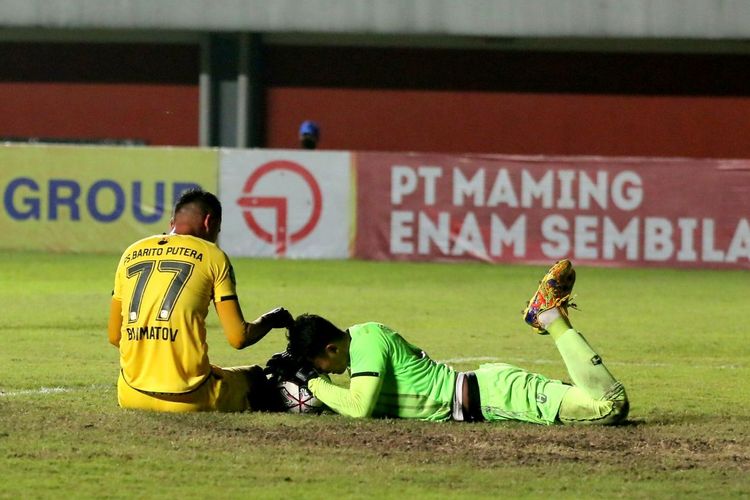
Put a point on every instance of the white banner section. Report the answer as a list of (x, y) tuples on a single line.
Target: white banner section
[(285, 203)]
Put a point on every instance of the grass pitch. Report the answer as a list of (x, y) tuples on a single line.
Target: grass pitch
[(676, 339)]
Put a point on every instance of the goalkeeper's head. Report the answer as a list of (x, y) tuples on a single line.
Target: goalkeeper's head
[(315, 339)]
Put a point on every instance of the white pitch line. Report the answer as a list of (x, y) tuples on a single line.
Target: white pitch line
[(41, 390), (46, 391)]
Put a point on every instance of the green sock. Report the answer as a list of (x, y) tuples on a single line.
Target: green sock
[(557, 328), (585, 367)]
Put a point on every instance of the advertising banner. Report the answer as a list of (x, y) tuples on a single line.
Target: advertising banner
[(93, 199), (280, 203), (604, 211)]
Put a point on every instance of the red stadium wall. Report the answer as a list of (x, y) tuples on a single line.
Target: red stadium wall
[(395, 99), (513, 123), (153, 114), (80, 92), (512, 102)]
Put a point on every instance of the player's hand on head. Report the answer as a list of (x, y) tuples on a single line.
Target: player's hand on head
[(278, 318)]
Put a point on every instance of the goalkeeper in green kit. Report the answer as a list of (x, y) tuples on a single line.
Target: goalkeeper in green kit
[(389, 377)]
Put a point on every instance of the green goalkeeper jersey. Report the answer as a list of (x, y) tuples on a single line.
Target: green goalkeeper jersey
[(389, 378)]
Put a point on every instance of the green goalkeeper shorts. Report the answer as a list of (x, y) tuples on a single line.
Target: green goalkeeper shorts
[(511, 393)]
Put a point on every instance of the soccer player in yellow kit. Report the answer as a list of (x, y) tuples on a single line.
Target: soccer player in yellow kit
[(163, 287)]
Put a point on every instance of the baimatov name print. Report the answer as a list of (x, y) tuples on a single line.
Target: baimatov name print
[(640, 212), (138, 333)]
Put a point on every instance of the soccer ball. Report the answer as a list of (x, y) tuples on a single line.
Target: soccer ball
[(298, 399)]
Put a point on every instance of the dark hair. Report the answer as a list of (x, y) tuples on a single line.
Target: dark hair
[(208, 202), (310, 334)]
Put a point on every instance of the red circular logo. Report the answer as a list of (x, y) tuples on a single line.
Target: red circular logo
[(280, 204)]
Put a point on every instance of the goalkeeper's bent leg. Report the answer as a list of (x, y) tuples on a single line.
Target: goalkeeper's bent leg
[(578, 407), (597, 396)]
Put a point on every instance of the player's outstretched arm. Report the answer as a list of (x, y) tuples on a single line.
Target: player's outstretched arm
[(241, 333), (358, 401), (114, 324)]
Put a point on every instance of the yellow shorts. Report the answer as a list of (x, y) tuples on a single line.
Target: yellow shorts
[(227, 389)]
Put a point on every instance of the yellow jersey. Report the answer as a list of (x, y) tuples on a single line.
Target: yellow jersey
[(165, 284)]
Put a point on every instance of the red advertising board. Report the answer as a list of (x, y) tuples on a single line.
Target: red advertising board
[(595, 210)]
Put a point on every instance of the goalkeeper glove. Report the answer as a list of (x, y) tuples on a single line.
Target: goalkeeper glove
[(277, 318), (282, 366), (305, 373)]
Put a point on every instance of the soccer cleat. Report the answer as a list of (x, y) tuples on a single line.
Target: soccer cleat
[(554, 291)]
